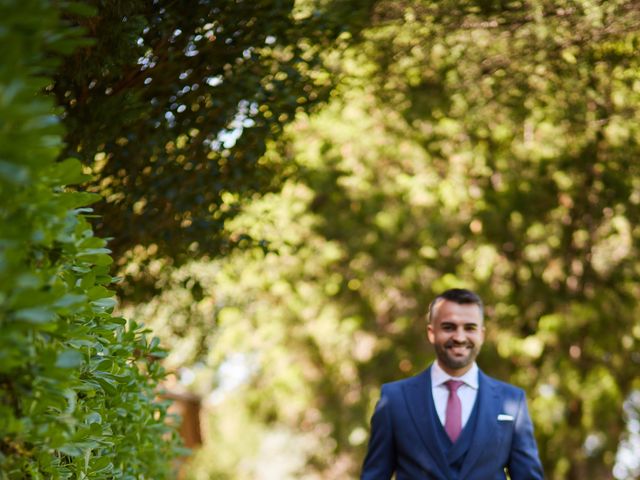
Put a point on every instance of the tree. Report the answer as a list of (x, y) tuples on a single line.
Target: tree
[(533, 102), (174, 104), (483, 144)]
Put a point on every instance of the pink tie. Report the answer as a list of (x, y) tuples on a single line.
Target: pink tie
[(453, 418)]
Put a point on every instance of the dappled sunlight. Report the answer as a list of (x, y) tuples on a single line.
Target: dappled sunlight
[(286, 186), (470, 161)]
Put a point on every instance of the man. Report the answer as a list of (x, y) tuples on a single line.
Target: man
[(452, 422)]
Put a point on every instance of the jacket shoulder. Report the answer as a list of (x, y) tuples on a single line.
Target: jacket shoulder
[(402, 384), (504, 388)]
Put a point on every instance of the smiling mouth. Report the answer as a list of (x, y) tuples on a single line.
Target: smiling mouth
[(458, 350)]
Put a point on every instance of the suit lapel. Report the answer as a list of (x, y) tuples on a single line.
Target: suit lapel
[(422, 410), (486, 427)]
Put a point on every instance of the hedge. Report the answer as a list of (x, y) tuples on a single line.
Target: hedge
[(77, 384)]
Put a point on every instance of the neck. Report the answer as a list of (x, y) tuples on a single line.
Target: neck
[(455, 372)]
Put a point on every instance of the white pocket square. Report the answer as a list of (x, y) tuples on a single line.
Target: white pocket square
[(505, 418)]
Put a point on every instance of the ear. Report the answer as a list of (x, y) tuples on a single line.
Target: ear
[(430, 334), (482, 332)]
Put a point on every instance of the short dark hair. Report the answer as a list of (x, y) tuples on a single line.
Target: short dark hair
[(460, 296)]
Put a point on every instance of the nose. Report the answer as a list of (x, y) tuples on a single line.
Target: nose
[(458, 335)]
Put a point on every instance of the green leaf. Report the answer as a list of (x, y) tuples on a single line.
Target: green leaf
[(100, 465), (70, 300), (118, 320), (93, 251), (155, 341), (12, 173), (99, 291), (69, 359), (71, 200), (67, 172), (104, 303), (72, 450), (38, 315), (99, 259)]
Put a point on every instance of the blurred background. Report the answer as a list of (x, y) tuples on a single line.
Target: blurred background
[(287, 185)]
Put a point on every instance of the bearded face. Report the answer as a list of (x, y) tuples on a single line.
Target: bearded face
[(457, 333)]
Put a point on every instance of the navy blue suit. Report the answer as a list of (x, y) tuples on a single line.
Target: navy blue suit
[(408, 439)]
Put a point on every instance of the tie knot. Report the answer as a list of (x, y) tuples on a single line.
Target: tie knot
[(453, 385)]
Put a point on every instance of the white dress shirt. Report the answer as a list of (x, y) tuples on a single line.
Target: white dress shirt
[(467, 392)]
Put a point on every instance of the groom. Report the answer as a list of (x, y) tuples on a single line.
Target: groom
[(452, 422)]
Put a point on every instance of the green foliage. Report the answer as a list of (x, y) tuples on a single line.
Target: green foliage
[(483, 144), (77, 384), (174, 105), (529, 118)]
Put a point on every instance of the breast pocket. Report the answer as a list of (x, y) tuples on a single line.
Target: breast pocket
[(505, 433)]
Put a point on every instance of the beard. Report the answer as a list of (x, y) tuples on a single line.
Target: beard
[(453, 362)]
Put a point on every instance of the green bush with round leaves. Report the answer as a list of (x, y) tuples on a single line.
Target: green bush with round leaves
[(77, 384)]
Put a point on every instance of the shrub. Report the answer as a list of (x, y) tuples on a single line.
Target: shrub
[(77, 384)]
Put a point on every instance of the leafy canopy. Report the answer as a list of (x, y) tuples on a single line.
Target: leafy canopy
[(485, 144), (174, 104)]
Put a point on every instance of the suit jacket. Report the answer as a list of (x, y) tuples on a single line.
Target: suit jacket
[(404, 438)]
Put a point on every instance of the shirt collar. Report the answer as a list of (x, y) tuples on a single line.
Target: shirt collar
[(439, 376)]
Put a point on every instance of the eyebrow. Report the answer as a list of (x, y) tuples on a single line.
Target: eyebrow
[(467, 324)]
